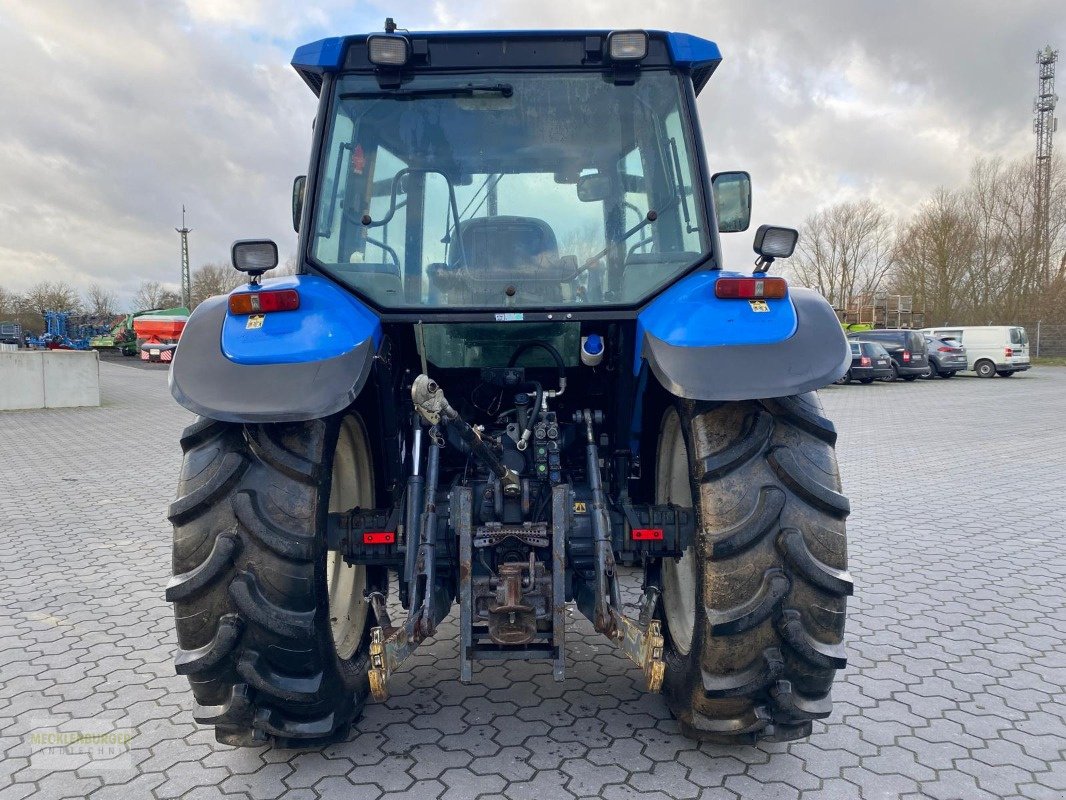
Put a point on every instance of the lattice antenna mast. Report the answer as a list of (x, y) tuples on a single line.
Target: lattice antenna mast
[(186, 282), (1044, 126)]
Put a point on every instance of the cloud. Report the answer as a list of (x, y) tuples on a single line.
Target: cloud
[(828, 101), (118, 113)]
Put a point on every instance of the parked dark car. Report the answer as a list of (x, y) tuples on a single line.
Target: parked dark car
[(907, 349), (869, 362), (946, 357)]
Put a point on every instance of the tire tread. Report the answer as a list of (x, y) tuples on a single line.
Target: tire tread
[(249, 598), (775, 581)]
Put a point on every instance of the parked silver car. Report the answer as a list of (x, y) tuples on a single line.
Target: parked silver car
[(946, 356)]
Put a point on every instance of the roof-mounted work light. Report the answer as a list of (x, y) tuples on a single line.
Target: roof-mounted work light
[(388, 51), (627, 45)]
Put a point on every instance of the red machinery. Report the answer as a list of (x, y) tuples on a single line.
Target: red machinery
[(158, 335)]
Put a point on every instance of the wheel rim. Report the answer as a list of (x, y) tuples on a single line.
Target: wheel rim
[(352, 486), (679, 575)]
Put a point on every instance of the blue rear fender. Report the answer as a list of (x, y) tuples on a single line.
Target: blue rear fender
[(703, 348), (329, 323), (280, 366)]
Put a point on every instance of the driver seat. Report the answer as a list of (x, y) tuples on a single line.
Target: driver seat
[(495, 256), (503, 245)]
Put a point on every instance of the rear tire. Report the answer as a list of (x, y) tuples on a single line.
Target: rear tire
[(753, 614), (933, 371), (985, 369), (273, 635)]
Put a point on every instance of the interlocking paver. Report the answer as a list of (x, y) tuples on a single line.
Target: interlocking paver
[(956, 635)]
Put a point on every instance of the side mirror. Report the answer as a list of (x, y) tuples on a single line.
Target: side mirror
[(254, 256), (591, 188), (772, 241), (298, 187), (732, 200)]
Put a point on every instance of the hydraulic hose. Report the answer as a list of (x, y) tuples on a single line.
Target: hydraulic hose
[(560, 366), (550, 350), (531, 418)]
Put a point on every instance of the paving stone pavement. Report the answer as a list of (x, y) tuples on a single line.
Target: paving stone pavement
[(954, 689)]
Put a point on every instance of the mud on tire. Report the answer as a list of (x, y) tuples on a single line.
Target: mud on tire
[(769, 569), (249, 590)]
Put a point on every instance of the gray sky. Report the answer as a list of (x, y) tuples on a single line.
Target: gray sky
[(116, 113)]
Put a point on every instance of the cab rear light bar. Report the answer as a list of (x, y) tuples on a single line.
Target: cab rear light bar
[(263, 301), (750, 288)]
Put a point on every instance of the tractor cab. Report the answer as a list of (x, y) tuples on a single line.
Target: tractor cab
[(508, 170)]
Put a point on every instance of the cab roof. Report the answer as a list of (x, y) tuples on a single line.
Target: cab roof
[(558, 48)]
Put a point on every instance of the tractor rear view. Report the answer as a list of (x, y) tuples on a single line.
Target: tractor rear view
[(512, 360)]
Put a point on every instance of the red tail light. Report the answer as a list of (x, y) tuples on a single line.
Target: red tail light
[(945, 349), (263, 301), (647, 534), (1008, 352), (864, 361), (379, 537), (750, 288), (906, 355)]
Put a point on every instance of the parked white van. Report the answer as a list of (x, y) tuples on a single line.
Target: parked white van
[(990, 349)]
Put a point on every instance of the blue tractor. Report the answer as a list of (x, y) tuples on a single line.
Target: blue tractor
[(512, 360)]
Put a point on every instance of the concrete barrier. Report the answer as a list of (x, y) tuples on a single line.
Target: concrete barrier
[(49, 379), (21, 381)]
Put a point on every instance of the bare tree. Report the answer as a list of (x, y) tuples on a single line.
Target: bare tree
[(845, 251), (972, 256), (100, 302), (213, 279), (1006, 279), (933, 255), (9, 302), (153, 294), (51, 296)]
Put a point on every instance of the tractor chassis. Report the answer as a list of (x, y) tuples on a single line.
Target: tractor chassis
[(517, 612)]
